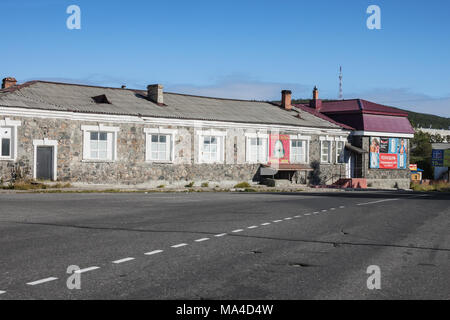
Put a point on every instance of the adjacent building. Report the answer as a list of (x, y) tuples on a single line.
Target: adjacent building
[(379, 150)]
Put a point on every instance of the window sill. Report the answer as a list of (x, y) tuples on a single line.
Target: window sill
[(7, 159), (97, 161), (158, 162)]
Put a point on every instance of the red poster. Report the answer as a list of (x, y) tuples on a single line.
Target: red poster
[(388, 161), (279, 148)]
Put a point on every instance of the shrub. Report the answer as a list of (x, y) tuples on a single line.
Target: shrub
[(160, 186), (205, 185), (190, 185), (242, 185)]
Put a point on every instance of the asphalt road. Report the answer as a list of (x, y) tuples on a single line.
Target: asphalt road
[(225, 245)]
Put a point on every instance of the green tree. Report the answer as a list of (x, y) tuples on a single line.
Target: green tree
[(421, 152)]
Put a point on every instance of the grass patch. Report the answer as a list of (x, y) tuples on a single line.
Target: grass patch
[(436, 187), (205, 185), (242, 185), (34, 185), (161, 186)]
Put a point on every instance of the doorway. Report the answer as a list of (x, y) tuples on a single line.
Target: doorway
[(44, 163)]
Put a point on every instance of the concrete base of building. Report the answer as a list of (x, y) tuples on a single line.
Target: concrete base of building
[(389, 183)]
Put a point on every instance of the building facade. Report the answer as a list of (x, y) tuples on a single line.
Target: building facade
[(98, 135)]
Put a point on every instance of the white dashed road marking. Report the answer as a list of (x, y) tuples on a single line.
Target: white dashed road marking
[(153, 252), (202, 239), (220, 235), (238, 230), (265, 224), (87, 269), (288, 218), (333, 209), (341, 207), (297, 216), (123, 260), (373, 202), (252, 227), (179, 245), (34, 283), (307, 214), (324, 210), (276, 221), (2, 292)]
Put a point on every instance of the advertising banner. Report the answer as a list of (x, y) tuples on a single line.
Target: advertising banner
[(388, 153), (279, 148)]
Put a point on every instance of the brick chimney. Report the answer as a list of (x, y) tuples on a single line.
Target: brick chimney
[(316, 103), (8, 82), (155, 93), (286, 99)]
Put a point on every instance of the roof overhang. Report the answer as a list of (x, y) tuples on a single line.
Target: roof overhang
[(352, 148), (383, 134)]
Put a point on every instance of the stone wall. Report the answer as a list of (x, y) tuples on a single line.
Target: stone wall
[(130, 166)]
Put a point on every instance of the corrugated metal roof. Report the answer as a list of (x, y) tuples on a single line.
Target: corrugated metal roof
[(78, 98)]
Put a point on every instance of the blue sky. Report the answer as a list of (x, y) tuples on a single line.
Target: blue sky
[(239, 49)]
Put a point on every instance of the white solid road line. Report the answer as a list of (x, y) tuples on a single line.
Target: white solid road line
[(153, 252), (252, 227), (238, 230), (220, 235), (373, 202), (34, 283), (87, 269), (179, 245), (123, 260), (201, 240)]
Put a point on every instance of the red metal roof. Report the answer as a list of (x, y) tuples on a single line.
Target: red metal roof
[(383, 123), (363, 115), (321, 115), (359, 105)]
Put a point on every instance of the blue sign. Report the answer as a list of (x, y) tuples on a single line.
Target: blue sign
[(437, 158)]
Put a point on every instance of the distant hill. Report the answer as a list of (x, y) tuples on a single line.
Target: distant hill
[(417, 119)]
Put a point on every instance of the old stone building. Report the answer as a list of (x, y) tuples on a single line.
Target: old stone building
[(88, 134)]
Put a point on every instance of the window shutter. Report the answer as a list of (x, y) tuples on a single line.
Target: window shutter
[(110, 146), (86, 144), (168, 156)]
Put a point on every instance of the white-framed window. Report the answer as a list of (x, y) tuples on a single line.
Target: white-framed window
[(8, 139), (211, 146), (160, 144), (299, 151), (5, 142), (340, 151), (257, 149), (99, 143), (325, 151)]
